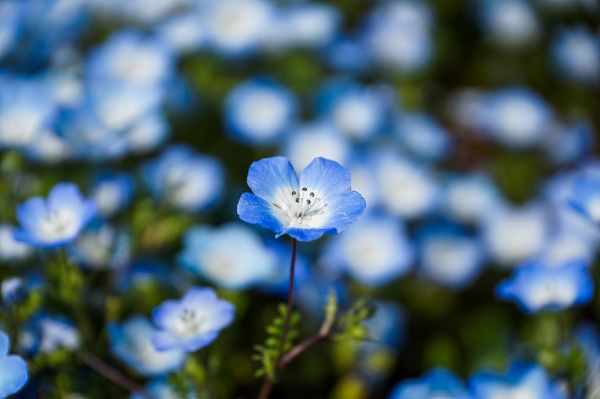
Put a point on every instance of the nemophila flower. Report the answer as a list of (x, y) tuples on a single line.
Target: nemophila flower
[(311, 24), (449, 256), (182, 33), (56, 333), (585, 196), (12, 250), (345, 54), (10, 22), (509, 22), (408, 189), (185, 179), (513, 234), (193, 322), (437, 383), (570, 142), (102, 246), (310, 140), (14, 374), (520, 381), (112, 192), (319, 201), (56, 220), (26, 109), (356, 111), (258, 111), (398, 35), (423, 136), (236, 27), (375, 251), (469, 198), (132, 343), (207, 253), (516, 116), (387, 326), (537, 286), (576, 54)]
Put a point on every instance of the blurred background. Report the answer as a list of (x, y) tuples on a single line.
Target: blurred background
[(464, 124)]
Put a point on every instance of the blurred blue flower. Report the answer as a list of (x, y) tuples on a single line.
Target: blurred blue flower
[(520, 381), (375, 251), (316, 139), (346, 54), (437, 383), (319, 201), (112, 192), (449, 256), (191, 323), (54, 221), (585, 196), (185, 179), (132, 343), (537, 286), (423, 136), (469, 198), (14, 373), (56, 332), (311, 24), (576, 53), (182, 33), (516, 116), (12, 250), (511, 23), (570, 142), (102, 246), (259, 111), (207, 253), (10, 24)]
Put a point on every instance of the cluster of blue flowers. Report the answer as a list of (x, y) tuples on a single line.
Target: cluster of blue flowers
[(446, 170)]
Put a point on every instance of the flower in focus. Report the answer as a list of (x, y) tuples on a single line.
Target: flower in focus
[(132, 343), (13, 369), (191, 323), (521, 381), (437, 383), (537, 287), (54, 221), (207, 253), (319, 201)]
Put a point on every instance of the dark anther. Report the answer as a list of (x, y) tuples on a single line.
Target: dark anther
[(297, 199), (312, 194), (294, 193), (308, 202), (304, 189)]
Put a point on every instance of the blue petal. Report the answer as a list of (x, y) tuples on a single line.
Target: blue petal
[(306, 234), (325, 176), (163, 315), (271, 176), (255, 210), (164, 341), (65, 195), (13, 375), (345, 209), (31, 211), (4, 344), (200, 341)]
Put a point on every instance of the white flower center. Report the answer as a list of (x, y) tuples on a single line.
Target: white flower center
[(303, 208), (58, 223), (190, 322)]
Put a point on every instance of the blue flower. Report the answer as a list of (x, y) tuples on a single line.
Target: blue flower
[(576, 53), (521, 380), (185, 179), (258, 111), (319, 201), (374, 251), (207, 253), (55, 221), (585, 196), (423, 136), (510, 23), (14, 373), (12, 250), (132, 343), (436, 383), (112, 192), (191, 323), (537, 287)]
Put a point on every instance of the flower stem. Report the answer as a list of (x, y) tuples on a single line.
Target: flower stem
[(268, 383), (112, 374)]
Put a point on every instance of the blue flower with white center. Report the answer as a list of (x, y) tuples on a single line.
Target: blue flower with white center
[(314, 139), (437, 383), (521, 381), (570, 143), (56, 220), (357, 111), (516, 116), (311, 24), (470, 198), (585, 196), (102, 247), (449, 256), (423, 136), (12, 250), (537, 286), (258, 111), (576, 53), (15, 373), (319, 201), (185, 179), (112, 192), (26, 110), (207, 253), (374, 251), (193, 322), (56, 333), (132, 343), (183, 33), (510, 23)]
